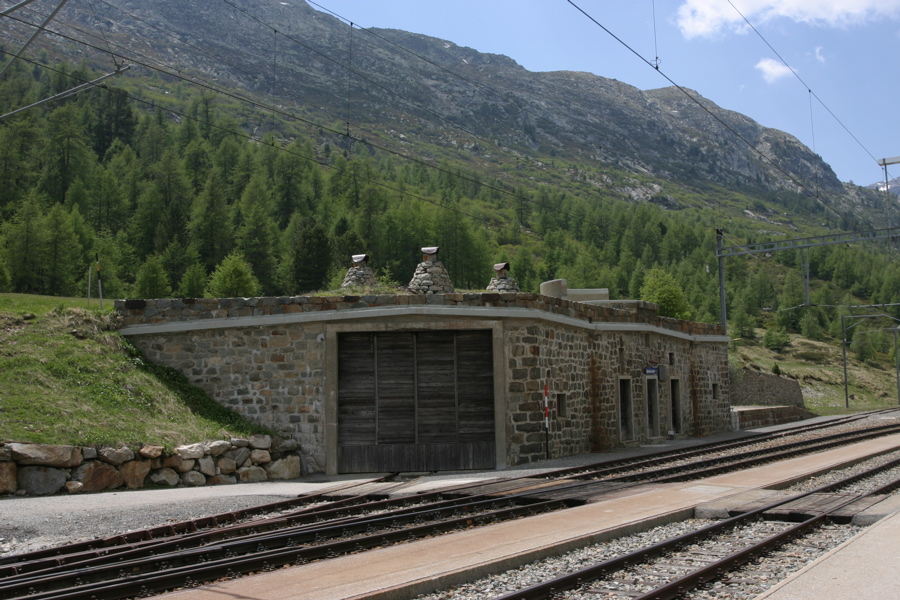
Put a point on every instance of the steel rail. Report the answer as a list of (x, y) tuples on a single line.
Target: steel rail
[(256, 530), (173, 571), (131, 540), (187, 527), (94, 558), (577, 580), (147, 543)]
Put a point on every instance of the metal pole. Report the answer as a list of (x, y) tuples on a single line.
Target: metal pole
[(844, 348), (723, 314), (34, 35), (897, 362), (806, 274), (99, 283)]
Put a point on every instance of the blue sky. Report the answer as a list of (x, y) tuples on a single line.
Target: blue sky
[(847, 52)]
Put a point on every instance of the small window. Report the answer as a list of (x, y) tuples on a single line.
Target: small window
[(671, 359), (715, 391), (561, 408)]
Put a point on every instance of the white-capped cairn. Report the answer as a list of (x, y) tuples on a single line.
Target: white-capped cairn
[(360, 274), (431, 277), (502, 282)]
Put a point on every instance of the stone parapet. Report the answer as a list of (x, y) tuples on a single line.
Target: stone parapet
[(146, 312)]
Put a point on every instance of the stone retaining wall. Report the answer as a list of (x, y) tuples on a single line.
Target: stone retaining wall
[(40, 469), (752, 388)]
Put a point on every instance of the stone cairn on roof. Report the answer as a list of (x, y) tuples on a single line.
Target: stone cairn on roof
[(502, 282), (431, 277), (360, 274)]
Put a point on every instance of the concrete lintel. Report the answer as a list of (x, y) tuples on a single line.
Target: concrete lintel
[(406, 311)]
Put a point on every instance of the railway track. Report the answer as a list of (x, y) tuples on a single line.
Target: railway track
[(673, 568), (341, 521)]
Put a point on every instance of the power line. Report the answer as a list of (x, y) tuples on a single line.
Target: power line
[(683, 90), (800, 79)]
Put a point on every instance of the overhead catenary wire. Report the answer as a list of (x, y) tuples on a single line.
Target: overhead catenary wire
[(424, 163), (706, 109), (800, 79), (315, 159), (177, 73)]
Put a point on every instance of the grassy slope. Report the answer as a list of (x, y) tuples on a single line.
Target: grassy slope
[(66, 378), (818, 366)]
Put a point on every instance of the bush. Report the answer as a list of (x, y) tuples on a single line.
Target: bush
[(776, 339)]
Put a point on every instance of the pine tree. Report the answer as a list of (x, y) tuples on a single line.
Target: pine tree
[(209, 228), (152, 281), (62, 253), (306, 255), (193, 283), (233, 279), (24, 237)]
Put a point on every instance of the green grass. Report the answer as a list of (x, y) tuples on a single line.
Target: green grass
[(67, 377), (819, 368)]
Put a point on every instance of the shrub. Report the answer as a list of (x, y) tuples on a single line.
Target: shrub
[(776, 339)]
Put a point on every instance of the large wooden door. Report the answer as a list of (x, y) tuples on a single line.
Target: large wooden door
[(415, 401)]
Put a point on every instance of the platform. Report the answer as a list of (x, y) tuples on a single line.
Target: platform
[(865, 566), (405, 570)]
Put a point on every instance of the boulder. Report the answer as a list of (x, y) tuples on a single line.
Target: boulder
[(88, 453), (218, 448), (240, 442), (74, 487), (8, 482), (97, 475), (150, 451), (191, 451), (207, 466), (260, 457), (5, 453), (288, 445), (260, 441), (115, 456), (46, 455), (225, 465), (40, 481), (238, 455), (285, 468), (165, 476), (193, 478), (251, 474), (135, 472)]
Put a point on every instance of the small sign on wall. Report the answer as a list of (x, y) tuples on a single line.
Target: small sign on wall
[(651, 370)]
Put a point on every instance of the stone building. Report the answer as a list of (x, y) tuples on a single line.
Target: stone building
[(443, 381)]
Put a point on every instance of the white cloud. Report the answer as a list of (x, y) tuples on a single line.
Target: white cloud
[(818, 54), (773, 70), (707, 18)]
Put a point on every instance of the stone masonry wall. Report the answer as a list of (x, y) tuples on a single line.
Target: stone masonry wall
[(41, 469), (752, 388), (275, 375), (585, 369), (270, 375)]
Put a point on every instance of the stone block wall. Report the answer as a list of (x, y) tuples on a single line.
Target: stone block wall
[(583, 369), (273, 376), (752, 388), (266, 359)]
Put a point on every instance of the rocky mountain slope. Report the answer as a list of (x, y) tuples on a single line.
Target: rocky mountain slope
[(402, 88)]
